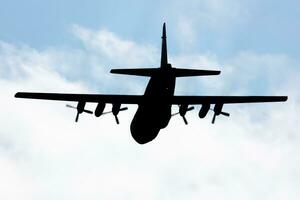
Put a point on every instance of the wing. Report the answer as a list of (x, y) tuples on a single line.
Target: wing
[(117, 100), (139, 99), (123, 99), (226, 99)]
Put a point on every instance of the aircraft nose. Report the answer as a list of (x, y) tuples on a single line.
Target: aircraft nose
[(141, 140), (143, 135)]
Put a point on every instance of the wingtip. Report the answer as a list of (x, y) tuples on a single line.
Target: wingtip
[(114, 71), (282, 98), (17, 94)]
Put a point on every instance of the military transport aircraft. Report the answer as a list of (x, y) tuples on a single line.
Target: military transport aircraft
[(154, 107)]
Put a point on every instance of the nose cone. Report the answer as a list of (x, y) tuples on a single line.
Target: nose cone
[(143, 135)]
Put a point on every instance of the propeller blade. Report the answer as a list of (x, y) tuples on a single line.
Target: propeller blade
[(70, 106), (225, 114), (88, 111), (213, 119), (77, 117), (175, 114), (104, 113), (222, 113), (190, 108), (117, 119), (122, 109), (185, 121)]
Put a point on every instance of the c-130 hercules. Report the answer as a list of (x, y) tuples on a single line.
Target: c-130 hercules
[(154, 107)]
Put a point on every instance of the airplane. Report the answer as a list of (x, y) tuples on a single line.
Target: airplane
[(154, 107)]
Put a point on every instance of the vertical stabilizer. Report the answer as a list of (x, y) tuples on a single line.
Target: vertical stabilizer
[(164, 55)]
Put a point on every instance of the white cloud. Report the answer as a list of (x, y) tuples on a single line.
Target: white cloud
[(272, 71), (45, 155), (246, 73), (120, 51)]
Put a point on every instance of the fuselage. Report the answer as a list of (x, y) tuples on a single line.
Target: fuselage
[(152, 116)]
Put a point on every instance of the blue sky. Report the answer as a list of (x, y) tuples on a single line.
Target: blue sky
[(70, 46), (265, 26)]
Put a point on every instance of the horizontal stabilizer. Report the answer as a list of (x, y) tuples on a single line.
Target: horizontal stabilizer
[(137, 72), (177, 72)]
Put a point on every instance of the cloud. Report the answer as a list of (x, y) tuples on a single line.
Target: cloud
[(105, 51), (246, 73), (120, 51), (45, 155), (256, 71)]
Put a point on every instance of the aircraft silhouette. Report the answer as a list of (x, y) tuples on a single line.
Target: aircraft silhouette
[(154, 107)]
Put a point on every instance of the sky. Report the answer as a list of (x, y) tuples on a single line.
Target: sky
[(70, 46)]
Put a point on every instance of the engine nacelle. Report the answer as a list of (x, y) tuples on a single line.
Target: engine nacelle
[(218, 109), (80, 107), (183, 109), (116, 108), (99, 109), (204, 110)]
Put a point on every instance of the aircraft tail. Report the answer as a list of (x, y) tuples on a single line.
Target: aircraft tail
[(164, 65), (164, 52)]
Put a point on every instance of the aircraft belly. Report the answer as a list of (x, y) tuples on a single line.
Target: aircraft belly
[(148, 121)]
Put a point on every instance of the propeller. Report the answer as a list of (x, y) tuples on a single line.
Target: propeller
[(221, 113), (189, 109), (115, 113), (183, 112), (77, 115), (86, 111), (121, 109)]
